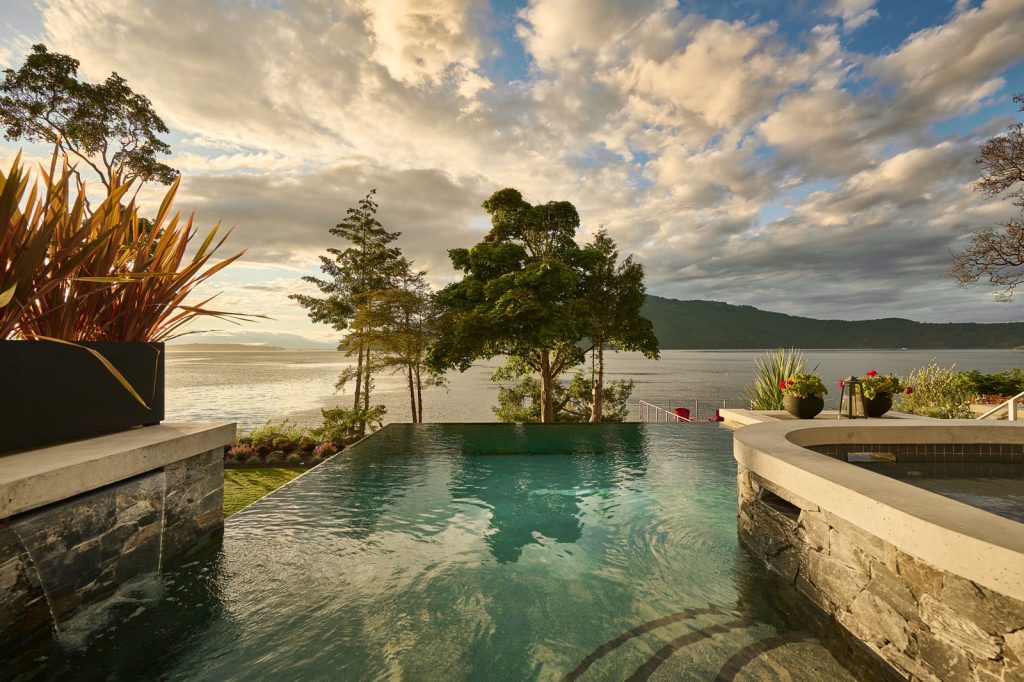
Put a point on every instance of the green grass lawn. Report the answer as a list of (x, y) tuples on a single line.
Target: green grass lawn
[(242, 487)]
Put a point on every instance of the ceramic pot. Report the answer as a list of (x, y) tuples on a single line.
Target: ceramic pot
[(879, 405), (803, 408)]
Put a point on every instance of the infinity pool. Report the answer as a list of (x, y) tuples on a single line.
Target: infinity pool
[(470, 552)]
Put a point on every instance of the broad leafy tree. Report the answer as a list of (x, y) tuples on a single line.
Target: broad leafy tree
[(106, 126), (996, 253), (518, 296), (614, 293)]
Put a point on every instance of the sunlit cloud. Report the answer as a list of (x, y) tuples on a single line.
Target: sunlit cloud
[(749, 158)]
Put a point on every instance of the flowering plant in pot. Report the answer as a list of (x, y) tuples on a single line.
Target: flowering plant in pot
[(878, 390), (803, 395), (86, 302)]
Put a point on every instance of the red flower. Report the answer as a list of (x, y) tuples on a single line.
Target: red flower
[(910, 389), (841, 383), (872, 373), (790, 382), (782, 384)]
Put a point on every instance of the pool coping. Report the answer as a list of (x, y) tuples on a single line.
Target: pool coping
[(978, 545), (34, 478)]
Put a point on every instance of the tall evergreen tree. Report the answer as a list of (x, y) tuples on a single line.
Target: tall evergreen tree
[(614, 294), (369, 264), (399, 323)]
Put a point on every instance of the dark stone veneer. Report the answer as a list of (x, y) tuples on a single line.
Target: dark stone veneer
[(927, 624), (59, 559)]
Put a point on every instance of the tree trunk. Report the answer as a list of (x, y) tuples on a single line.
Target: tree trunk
[(412, 393), (366, 382), (547, 397), (359, 377), (419, 395), (597, 401)]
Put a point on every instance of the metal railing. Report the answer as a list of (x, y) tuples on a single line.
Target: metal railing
[(652, 413), (649, 412), (1010, 406)]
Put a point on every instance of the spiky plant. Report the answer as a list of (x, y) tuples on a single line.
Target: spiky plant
[(136, 284), (33, 262), (771, 369)]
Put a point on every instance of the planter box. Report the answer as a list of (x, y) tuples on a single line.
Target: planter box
[(51, 392)]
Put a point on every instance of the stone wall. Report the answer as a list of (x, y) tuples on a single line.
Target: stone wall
[(926, 623), (59, 559)]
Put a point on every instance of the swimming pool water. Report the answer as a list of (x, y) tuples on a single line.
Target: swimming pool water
[(470, 552), (997, 487)]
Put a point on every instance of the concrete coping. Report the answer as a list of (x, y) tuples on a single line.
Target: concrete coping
[(33, 478), (735, 416), (950, 535)]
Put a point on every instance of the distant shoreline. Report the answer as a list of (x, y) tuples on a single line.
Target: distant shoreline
[(243, 347), (223, 347)]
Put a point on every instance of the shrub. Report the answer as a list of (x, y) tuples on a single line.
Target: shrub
[(1006, 383), (240, 452), (245, 440), (283, 429), (254, 461), (325, 450), (938, 392), (340, 424), (275, 457), (306, 444), (293, 458), (283, 444), (772, 369), (263, 450)]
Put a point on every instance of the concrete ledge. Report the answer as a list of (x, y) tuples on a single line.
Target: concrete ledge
[(951, 536), (34, 478), (740, 417)]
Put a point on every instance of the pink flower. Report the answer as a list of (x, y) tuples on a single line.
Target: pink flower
[(872, 373)]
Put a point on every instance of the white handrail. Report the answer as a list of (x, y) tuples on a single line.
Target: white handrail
[(646, 408), (1010, 405)]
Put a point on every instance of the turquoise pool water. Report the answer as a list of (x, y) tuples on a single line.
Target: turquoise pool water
[(470, 552)]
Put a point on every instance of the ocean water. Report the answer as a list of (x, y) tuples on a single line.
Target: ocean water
[(250, 387)]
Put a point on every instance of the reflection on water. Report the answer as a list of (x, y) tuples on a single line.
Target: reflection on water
[(546, 489), (410, 558)]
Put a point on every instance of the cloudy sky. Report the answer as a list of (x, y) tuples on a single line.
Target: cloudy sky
[(814, 158)]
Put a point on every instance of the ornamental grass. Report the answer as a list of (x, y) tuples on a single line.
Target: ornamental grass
[(109, 276)]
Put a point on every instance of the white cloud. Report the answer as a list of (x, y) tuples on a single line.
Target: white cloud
[(724, 153), (948, 69), (427, 41), (854, 13)]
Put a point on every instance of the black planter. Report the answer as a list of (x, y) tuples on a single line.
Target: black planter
[(878, 405), (803, 408), (51, 392)]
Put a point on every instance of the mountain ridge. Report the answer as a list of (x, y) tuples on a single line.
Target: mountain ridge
[(713, 325)]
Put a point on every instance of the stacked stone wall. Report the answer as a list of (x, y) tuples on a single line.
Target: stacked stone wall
[(926, 623), (60, 559)]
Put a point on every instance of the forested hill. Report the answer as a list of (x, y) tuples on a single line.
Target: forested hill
[(708, 324)]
